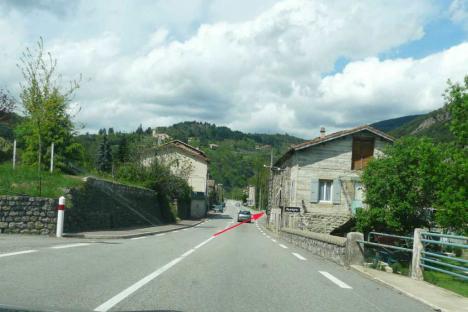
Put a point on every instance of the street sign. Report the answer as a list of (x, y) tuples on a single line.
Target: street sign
[(292, 209)]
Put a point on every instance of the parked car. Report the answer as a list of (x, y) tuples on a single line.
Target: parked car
[(243, 216), (218, 208)]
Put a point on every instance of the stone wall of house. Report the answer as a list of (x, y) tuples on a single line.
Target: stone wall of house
[(27, 215), (327, 246), (324, 223), (101, 205)]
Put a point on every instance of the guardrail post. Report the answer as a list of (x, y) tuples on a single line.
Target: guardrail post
[(416, 269), (354, 250), (60, 216)]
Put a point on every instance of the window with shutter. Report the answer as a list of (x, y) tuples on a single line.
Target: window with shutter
[(363, 151), (314, 190)]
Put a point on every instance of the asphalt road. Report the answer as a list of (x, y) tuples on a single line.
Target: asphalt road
[(240, 270)]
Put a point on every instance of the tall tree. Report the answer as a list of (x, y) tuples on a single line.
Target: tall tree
[(7, 104), (452, 198), (456, 99), (104, 156), (123, 152), (46, 106), (139, 130)]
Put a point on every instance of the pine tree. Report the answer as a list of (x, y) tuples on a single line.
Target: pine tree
[(139, 130), (104, 157), (123, 151)]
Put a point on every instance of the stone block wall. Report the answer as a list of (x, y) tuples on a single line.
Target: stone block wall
[(27, 215), (316, 222), (101, 205), (327, 246)]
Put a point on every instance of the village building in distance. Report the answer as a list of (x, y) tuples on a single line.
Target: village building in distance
[(320, 179), (191, 164)]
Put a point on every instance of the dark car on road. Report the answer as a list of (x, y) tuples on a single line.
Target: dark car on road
[(244, 215)]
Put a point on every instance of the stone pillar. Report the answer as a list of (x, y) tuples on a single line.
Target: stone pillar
[(416, 269), (354, 253)]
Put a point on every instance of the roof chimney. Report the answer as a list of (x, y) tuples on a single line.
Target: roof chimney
[(322, 132)]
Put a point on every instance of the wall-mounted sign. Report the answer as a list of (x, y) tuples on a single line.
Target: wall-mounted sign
[(292, 209)]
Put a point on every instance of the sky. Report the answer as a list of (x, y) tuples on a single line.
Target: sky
[(289, 66)]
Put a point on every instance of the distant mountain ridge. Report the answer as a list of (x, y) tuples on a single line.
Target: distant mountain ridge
[(434, 124)]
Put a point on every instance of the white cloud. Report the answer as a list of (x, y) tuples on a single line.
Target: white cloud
[(263, 72), (459, 12)]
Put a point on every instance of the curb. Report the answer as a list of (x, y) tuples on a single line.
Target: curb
[(125, 236), (370, 276)]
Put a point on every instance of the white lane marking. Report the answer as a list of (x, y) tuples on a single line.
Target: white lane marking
[(176, 231), (299, 256), (268, 236), (335, 280), (162, 234), (70, 245), (17, 253), (184, 229), (187, 253), (203, 243), (273, 240), (141, 237), (109, 304), (283, 246), (263, 234)]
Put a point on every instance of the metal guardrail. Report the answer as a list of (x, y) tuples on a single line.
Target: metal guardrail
[(436, 256), (430, 260)]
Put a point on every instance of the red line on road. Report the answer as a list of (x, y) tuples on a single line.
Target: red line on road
[(254, 217)]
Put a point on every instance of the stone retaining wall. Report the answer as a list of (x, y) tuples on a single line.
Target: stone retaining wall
[(101, 205), (316, 222), (27, 215), (327, 246)]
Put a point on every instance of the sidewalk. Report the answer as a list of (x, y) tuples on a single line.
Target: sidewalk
[(136, 232), (436, 297)]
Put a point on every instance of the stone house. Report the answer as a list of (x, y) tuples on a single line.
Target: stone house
[(190, 163), (316, 183)]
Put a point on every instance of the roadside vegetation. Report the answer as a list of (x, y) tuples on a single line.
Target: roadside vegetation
[(24, 180), (421, 183)]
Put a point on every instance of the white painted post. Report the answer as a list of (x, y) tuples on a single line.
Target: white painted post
[(52, 157), (60, 216), (14, 154), (416, 269)]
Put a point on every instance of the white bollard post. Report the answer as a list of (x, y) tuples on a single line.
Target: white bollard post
[(416, 269), (60, 216)]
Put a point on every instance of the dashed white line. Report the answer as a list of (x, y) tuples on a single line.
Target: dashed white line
[(273, 240), (17, 253), (335, 280), (70, 245), (268, 236), (299, 256), (162, 234), (184, 229), (141, 237), (283, 246), (109, 304), (176, 231)]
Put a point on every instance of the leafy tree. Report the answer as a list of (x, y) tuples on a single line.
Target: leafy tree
[(46, 107), (110, 131), (401, 186), (148, 130), (456, 97), (102, 131), (123, 152), (452, 200), (104, 157)]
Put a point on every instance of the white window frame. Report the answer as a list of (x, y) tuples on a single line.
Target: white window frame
[(321, 182)]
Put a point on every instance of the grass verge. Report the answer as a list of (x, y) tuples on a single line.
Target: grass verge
[(446, 281), (25, 180)]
